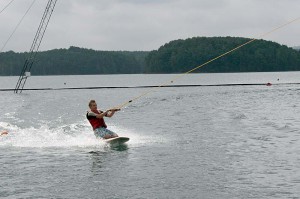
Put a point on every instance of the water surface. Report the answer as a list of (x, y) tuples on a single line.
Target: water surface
[(186, 142)]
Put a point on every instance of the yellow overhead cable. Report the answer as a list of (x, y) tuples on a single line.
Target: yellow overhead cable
[(169, 82)]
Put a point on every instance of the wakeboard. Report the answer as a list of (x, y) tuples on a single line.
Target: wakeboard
[(117, 141)]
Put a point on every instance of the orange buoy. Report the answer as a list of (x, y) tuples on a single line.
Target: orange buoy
[(4, 133)]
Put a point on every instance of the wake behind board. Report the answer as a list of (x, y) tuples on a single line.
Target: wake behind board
[(117, 141)]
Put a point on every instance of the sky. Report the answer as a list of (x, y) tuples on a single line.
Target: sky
[(144, 25)]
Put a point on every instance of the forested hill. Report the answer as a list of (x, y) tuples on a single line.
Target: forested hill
[(260, 56), (75, 61), (174, 57)]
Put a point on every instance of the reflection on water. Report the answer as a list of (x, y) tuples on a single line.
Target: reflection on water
[(103, 159), (120, 147)]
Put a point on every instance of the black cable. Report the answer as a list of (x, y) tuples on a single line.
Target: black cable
[(17, 26), (6, 6)]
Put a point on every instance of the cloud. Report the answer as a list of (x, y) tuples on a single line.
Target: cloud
[(145, 24)]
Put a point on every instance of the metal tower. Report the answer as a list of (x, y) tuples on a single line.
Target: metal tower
[(25, 73)]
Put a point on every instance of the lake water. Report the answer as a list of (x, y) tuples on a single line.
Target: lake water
[(209, 142)]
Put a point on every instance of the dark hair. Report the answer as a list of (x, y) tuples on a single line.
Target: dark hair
[(91, 102)]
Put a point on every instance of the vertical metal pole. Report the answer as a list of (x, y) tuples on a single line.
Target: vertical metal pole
[(35, 45)]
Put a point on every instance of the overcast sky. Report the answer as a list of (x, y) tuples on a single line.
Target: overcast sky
[(145, 24)]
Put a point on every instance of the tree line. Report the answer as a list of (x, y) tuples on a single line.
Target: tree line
[(260, 56), (75, 61), (174, 57)]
